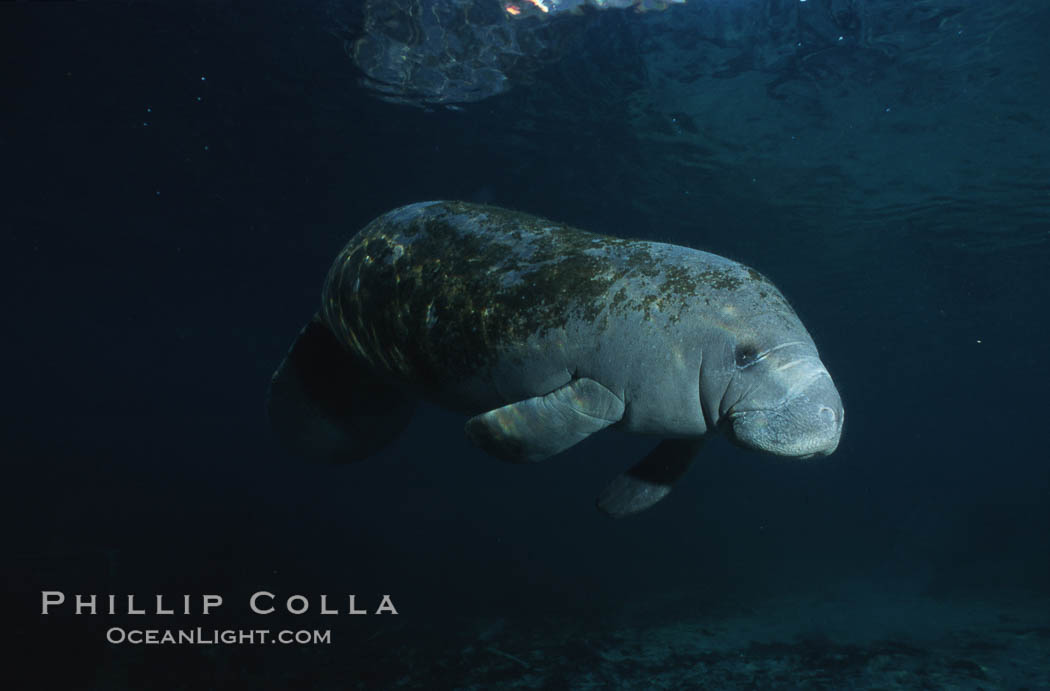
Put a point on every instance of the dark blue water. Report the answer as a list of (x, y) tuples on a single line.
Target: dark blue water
[(180, 175)]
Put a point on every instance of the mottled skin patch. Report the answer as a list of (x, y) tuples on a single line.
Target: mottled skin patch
[(436, 293)]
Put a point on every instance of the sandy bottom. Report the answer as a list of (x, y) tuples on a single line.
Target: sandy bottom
[(855, 638)]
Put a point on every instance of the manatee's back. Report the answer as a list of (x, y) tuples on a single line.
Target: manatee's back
[(440, 293)]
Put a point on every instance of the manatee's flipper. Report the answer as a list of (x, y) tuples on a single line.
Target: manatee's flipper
[(326, 405), (536, 428), (651, 479)]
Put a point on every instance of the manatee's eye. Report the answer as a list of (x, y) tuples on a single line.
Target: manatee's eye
[(746, 355)]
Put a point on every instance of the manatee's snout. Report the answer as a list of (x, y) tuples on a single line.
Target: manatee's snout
[(807, 421)]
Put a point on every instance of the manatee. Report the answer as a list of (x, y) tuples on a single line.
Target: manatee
[(543, 335)]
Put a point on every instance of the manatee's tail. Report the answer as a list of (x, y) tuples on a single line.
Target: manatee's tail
[(325, 404)]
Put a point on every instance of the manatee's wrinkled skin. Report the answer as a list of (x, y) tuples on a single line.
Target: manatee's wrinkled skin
[(475, 307)]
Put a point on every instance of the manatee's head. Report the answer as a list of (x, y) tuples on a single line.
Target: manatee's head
[(781, 399), (761, 379)]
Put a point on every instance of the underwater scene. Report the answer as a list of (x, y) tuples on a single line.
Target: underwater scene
[(526, 344)]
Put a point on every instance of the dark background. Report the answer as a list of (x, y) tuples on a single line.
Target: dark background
[(178, 177)]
